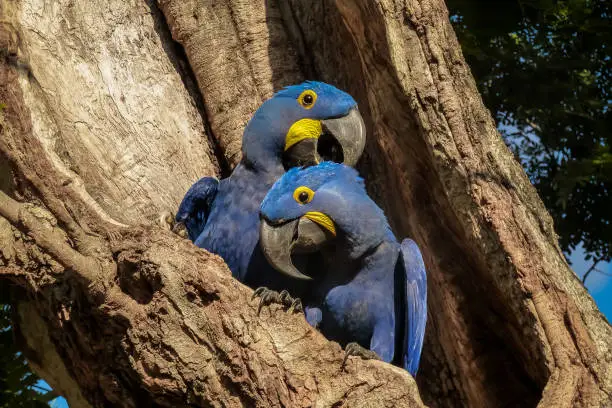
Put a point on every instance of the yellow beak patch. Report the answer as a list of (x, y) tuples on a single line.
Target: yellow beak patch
[(323, 220), (302, 129)]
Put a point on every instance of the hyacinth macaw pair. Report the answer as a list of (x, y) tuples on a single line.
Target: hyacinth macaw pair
[(300, 125), (364, 289)]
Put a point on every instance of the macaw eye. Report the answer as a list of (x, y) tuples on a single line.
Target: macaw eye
[(303, 195), (307, 99)]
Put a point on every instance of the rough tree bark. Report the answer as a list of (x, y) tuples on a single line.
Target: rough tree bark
[(107, 121)]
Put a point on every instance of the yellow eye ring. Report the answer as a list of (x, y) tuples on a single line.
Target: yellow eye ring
[(303, 195), (307, 99)]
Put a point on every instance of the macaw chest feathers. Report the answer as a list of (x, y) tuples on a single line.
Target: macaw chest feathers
[(350, 313)]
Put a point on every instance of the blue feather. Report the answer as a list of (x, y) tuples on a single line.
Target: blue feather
[(196, 205), (225, 220), (372, 290), (415, 303)]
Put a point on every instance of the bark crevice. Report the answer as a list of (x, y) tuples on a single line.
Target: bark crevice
[(178, 57)]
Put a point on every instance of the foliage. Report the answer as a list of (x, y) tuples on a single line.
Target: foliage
[(543, 68), (19, 387)]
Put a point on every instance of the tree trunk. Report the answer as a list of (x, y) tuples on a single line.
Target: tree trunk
[(108, 120)]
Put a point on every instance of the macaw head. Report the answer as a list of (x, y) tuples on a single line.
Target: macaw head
[(303, 125), (308, 207)]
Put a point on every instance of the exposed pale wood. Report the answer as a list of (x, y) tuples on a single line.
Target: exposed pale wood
[(107, 103)]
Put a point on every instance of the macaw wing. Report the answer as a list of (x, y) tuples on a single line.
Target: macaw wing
[(415, 315), (196, 205)]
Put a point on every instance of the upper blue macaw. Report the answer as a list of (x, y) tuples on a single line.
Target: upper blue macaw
[(300, 125), (372, 290)]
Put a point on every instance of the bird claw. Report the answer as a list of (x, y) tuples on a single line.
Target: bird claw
[(180, 229), (354, 349), (166, 221), (268, 296), (296, 306)]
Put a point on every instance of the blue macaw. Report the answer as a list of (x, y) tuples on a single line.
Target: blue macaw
[(300, 125), (372, 291)]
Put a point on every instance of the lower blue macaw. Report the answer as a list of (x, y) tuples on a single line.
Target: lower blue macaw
[(300, 125), (372, 290)]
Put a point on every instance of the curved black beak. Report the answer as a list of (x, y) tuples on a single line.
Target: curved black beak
[(348, 134), (279, 241), (342, 140)]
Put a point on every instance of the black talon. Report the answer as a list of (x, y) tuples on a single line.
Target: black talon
[(296, 306), (292, 304), (167, 221), (268, 296), (262, 302), (258, 292), (347, 353), (285, 297), (180, 229), (354, 349)]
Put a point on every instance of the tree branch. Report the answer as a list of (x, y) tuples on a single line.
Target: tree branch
[(219, 346), (591, 269), (193, 334), (49, 238)]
